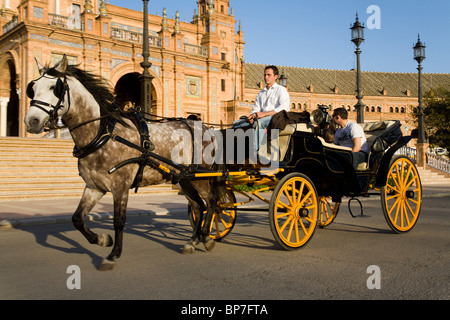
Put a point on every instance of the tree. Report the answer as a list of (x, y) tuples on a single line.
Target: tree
[(437, 117)]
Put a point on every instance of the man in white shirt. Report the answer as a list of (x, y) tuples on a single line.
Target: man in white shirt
[(350, 135), (269, 101)]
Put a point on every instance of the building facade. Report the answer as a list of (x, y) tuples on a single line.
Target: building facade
[(198, 66), (195, 65)]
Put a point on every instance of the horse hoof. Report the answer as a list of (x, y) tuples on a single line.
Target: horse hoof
[(105, 240), (107, 265), (188, 249), (209, 245)]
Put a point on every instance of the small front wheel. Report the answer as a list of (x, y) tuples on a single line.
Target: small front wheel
[(223, 219), (293, 211), (328, 211), (401, 197)]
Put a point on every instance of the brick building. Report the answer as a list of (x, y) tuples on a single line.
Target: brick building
[(198, 66)]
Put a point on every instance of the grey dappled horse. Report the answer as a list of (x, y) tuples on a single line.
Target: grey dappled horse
[(83, 103)]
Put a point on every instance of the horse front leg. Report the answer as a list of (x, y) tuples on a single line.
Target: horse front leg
[(120, 210), (87, 203)]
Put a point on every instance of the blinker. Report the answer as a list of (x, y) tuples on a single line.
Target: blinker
[(58, 90)]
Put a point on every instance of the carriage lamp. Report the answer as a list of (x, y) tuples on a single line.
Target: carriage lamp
[(358, 38), (419, 56)]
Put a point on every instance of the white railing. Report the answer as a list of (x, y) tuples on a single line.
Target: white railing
[(408, 151), (438, 162), (433, 160)]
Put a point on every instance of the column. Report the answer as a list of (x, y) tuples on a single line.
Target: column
[(3, 115)]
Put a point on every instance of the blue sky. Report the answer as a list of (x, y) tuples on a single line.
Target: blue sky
[(315, 34)]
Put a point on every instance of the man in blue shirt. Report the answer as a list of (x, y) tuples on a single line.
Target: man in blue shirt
[(350, 135)]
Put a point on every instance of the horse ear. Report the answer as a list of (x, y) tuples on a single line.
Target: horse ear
[(62, 65), (41, 68)]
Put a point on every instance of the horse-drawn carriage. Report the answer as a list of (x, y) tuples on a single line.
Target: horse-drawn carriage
[(314, 176), (118, 151)]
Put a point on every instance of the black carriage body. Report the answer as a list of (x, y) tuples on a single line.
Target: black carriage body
[(330, 167)]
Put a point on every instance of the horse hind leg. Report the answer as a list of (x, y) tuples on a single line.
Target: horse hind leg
[(120, 209), (87, 203), (198, 207), (208, 242)]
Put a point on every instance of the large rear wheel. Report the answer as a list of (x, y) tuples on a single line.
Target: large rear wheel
[(401, 197), (293, 211)]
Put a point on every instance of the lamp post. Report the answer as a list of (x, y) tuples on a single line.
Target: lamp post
[(422, 144), (357, 39), (419, 56), (146, 78)]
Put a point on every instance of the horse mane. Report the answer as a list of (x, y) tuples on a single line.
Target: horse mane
[(97, 86)]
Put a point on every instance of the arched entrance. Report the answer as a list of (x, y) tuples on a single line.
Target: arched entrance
[(128, 92), (9, 100)]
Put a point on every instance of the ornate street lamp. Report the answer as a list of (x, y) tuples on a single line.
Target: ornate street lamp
[(357, 39), (419, 56), (283, 80), (146, 78)]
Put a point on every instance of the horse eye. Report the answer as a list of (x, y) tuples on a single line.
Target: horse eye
[(52, 88)]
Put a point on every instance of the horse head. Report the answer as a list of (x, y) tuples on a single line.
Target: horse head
[(50, 97)]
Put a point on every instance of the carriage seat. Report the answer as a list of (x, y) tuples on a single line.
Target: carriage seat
[(372, 131), (285, 137)]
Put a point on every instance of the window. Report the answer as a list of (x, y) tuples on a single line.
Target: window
[(38, 12), (223, 56), (223, 85)]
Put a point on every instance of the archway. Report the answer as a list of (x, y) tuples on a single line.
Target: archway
[(9, 100), (128, 92)]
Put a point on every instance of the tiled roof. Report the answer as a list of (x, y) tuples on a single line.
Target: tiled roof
[(325, 81)]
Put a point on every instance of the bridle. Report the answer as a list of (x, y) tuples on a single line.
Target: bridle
[(60, 90)]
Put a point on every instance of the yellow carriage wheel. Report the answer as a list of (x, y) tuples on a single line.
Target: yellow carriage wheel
[(223, 220), (293, 211), (328, 211), (401, 197)]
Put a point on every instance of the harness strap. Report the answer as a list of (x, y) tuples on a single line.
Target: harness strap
[(103, 136)]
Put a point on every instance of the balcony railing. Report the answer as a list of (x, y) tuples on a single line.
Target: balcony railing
[(195, 50), (65, 22), (132, 36), (11, 24)]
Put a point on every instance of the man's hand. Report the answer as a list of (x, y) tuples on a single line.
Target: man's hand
[(259, 115)]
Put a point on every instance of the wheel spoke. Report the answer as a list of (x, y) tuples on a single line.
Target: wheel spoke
[(286, 223)]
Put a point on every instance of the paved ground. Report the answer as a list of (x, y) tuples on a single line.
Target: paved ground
[(20, 213)]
